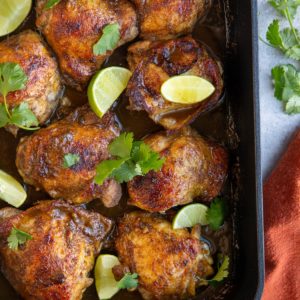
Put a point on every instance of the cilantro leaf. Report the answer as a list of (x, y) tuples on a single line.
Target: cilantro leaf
[(134, 158), (222, 270), (146, 158), (23, 116), (282, 6), (17, 237), (217, 213), (129, 281), (70, 160), (273, 35), (293, 105), (4, 118), (109, 39), (51, 3), (286, 81), (122, 145), (127, 172), (105, 169), (285, 40), (12, 78)]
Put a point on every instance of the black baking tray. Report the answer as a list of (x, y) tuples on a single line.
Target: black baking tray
[(243, 87), (238, 53)]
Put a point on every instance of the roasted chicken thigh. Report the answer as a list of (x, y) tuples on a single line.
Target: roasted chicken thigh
[(43, 85), (55, 263), (41, 156), (193, 168), (170, 263), (153, 63), (72, 27), (165, 19)]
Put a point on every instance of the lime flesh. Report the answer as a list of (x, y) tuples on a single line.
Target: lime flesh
[(12, 14), (106, 284), (106, 87), (11, 191), (186, 89), (190, 216)]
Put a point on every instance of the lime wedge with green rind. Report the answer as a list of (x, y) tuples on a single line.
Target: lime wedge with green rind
[(11, 191)]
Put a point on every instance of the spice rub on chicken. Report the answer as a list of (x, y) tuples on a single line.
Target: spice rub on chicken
[(165, 19), (153, 63), (73, 27), (170, 263), (193, 168), (43, 86), (55, 262), (41, 157)]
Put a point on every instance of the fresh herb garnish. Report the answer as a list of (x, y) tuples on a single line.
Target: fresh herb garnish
[(129, 281), (284, 40), (286, 78), (17, 237), (287, 87), (70, 160), (133, 158), (51, 3), (109, 39), (223, 265), (217, 213), (13, 78)]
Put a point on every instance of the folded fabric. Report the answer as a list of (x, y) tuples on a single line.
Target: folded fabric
[(282, 227)]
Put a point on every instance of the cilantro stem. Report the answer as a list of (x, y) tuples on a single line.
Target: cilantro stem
[(27, 128), (5, 105), (265, 42), (288, 16)]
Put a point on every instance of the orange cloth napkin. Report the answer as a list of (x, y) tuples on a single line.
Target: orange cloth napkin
[(282, 227)]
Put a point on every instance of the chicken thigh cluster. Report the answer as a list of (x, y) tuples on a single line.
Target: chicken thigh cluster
[(43, 85), (66, 238), (55, 263), (170, 263), (72, 27), (40, 157), (193, 168), (153, 63)]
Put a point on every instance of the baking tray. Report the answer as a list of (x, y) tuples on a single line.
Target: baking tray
[(231, 33)]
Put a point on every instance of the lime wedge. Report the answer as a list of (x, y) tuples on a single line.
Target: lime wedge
[(190, 216), (12, 14), (106, 87), (106, 284), (11, 190), (186, 89)]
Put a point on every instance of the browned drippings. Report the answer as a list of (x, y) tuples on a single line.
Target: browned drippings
[(215, 124)]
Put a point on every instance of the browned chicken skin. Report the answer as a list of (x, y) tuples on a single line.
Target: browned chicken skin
[(40, 157), (165, 19), (72, 27), (153, 63), (193, 168), (55, 263), (169, 262), (43, 86)]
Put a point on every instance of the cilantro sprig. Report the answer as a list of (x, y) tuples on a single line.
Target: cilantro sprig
[(223, 270), (286, 77), (129, 281), (109, 39), (217, 213), (13, 78), (287, 87), (17, 237), (132, 158)]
